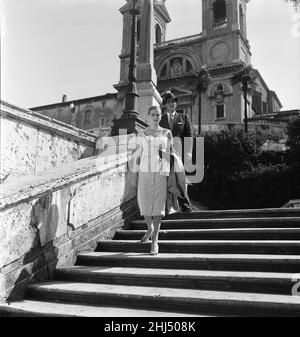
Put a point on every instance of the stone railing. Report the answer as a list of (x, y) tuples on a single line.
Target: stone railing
[(178, 41), (46, 219), (101, 132), (31, 143)]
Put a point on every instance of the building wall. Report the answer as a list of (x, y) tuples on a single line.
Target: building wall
[(91, 114), (273, 103), (101, 114), (62, 114), (263, 92)]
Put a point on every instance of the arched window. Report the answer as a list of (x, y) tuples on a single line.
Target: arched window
[(176, 66), (220, 11), (87, 117), (157, 33), (241, 13)]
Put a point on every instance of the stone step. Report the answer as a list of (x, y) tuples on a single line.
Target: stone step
[(216, 234), (28, 308), (285, 222), (174, 299), (241, 213), (205, 246), (258, 282), (231, 262)]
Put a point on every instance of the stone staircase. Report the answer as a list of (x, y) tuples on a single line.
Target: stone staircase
[(211, 263)]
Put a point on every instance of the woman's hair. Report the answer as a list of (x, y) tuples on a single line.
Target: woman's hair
[(154, 107)]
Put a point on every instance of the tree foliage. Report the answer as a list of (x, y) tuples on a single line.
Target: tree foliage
[(247, 78), (293, 132), (203, 80), (231, 151)]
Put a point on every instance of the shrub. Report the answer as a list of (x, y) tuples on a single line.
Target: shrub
[(293, 132), (238, 174), (231, 151), (269, 186), (264, 187), (266, 158)]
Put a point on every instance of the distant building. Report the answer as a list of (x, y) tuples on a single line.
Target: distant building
[(277, 120), (93, 114), (264, 100), (222, 48)]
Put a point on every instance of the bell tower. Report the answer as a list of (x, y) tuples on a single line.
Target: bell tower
[(161, 19), (224, 27)]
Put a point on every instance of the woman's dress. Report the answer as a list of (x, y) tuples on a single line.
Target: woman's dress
[(153, 173)]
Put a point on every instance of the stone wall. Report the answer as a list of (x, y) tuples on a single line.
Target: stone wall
[(46, 219), (31, 143)]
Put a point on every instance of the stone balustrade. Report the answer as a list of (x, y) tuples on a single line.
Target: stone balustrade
[(178, 41), (47, 218), (31, 143)]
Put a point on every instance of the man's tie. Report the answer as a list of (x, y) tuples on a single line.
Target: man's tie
[(171, 121)]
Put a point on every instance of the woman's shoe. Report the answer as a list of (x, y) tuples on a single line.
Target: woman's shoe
[(186, 210), (146, 237), (154, 248)]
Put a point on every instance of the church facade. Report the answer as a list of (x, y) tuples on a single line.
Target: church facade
[(222, 48)]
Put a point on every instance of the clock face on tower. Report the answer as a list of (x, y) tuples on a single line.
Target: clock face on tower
[(219, 52)]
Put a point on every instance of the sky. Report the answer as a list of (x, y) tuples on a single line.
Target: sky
[(55, 47)]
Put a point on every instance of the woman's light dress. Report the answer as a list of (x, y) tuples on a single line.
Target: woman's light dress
[(153, 173)]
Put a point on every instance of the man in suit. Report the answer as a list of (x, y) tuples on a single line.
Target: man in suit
[(180, 126)]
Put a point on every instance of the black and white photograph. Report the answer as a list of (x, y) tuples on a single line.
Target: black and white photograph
[(150, 161)]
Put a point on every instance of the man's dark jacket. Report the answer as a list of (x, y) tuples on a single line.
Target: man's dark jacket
[(182, 125), (181, 128)]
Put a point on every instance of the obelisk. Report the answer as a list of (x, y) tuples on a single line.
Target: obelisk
[(145, 71)]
